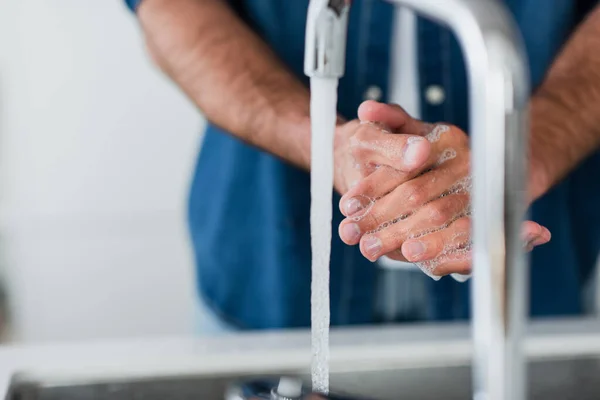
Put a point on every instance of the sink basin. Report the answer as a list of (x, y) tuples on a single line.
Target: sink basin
[(414, 363), (565, 379)]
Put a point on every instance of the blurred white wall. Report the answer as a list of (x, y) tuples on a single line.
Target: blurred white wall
[(96, 151)]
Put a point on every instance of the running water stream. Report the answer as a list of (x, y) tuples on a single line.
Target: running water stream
[(323, 113)]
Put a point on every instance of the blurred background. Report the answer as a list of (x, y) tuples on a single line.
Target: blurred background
[(96, 150)]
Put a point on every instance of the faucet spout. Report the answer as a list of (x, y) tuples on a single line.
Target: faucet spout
[(499, 90), (326, 31)]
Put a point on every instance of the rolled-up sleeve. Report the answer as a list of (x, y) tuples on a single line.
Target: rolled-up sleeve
[(235, 4), (133, 4)]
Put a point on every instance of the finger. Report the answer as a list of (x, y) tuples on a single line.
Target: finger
[(384, 180), (447, 143), (370, 213), (398, 120), (431, 217), (433, 245), (544, 238), (396, 255), (533, 235), (391, 115), (458, 235), (452, 263), (448, 251), (371, 145), (381, 182)]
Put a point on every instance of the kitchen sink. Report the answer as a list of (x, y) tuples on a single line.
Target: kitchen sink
[(562, 379), (407, 363)]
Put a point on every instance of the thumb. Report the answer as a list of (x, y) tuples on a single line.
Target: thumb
[(533, 235), (390, 115)]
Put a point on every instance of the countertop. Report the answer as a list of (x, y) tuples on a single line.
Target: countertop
[(284, 350)]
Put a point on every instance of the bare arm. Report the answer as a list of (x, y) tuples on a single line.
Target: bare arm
[(565, 112), (230, 74)]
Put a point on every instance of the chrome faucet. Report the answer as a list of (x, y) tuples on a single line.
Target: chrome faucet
[(499, 90), (326, 31)]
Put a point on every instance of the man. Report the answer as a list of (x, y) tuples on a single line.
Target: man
[(241, 63)]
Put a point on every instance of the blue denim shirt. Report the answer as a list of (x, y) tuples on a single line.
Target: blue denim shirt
[(249, 211)]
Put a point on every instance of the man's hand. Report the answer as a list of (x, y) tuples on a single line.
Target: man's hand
[(413, 202), (349, 169)]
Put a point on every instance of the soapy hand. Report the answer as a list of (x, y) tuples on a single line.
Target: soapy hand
[(412, 200)]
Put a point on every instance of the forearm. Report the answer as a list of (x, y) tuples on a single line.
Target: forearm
[(565, 117), (230, 74)]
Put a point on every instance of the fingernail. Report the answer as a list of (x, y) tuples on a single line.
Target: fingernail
[(412, 151), (414, 250), (373, 246), (353, 206), (351, 232)]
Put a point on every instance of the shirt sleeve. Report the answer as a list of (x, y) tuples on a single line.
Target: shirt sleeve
[(133, 4)]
